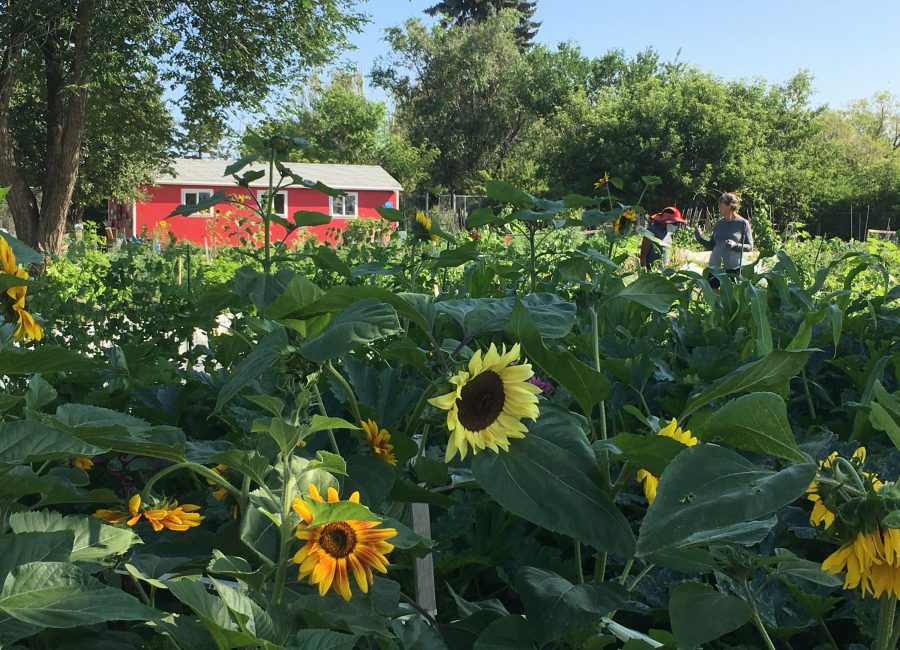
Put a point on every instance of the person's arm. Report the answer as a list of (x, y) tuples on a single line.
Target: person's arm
[(707, 244), (748, 237)]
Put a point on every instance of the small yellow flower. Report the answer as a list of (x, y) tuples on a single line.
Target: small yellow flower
[(28, 328), (379, 441), (169, 516), (423, 231), (334, 550), (120, 516), (83, 462), (601, 182), (671, 430)]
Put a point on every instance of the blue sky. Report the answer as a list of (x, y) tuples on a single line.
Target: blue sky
[(852, 49)]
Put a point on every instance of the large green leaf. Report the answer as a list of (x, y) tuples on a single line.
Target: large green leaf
[(587, 386), (509, 632), (757, 422), (363, 322), (652, 453), (298, 293), (8, 281), (323, 640), (252, 366), (188, 209), (554, 606), (43, 359), (341, 297), (701, 614), (767, 373), (758, 308), (25, 254), (22, 548), (506, 193), (311, 218), (552, 315), (25, 441), (708, 487), (551, 478), (58, 594), (325, 513), (651, 290), (94, 540), (213, 613)]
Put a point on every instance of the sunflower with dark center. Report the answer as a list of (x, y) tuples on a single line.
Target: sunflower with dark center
[(335, 550), (422, 228), (489, 402)]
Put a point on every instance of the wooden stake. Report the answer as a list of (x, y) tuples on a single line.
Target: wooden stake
[(423, 568)]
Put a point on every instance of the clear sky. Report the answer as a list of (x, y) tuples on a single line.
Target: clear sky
[(852, 48)]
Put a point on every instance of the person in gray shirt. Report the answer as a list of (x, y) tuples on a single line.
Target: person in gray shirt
[(731, 238)]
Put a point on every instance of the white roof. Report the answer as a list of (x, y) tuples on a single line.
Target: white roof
[(194, 171)]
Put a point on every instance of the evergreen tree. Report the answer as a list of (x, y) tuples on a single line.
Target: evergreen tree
[(465, 12)]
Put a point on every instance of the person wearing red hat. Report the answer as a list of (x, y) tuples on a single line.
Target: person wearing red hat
[(659, 226)]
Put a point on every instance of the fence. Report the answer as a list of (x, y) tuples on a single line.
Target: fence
[(450, 210)]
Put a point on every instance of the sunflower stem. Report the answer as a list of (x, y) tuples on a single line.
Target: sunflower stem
[(600, 567), (828, 635), (351, 398), (626, 571), (579, 570), (285, 529), (318, 395), (420, 406), (194, 467), (757, 621), (886, 623)]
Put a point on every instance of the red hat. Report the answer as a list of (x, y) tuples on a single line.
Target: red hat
[(670, 214)]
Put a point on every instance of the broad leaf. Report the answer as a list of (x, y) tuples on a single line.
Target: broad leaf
[(252, 366), (506, 193), (701, 614), (44, 359), (708, 487), (22, 548), (25, 441), (551, 478), (554, 606), (362, 323), (757, 422), (311, 218), (57, 594), (651, 290), (507, 633), (94, 540)]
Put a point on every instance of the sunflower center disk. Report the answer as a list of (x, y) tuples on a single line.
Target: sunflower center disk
[(338, 539), (481, 401)]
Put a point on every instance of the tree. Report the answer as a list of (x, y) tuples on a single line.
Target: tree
[(471, 93), (466, 12), (77, 45), (343, 126)]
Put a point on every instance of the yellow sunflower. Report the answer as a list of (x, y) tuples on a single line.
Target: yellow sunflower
[(821, 514), (28, 327), (671, 430), (335, 550), (871, 561), (160, 516), (601, 182), (423, 228), (489, 402), (379, 441), (628, 215), (83, 462)]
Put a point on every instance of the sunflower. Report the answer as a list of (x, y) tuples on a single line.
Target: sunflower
[(871, 561), (379, 441), (422, 228), (83, 462), (628, 215), (490, 401), (28, 327), (601, 182), (671, 430), (167, 515), (334, 550), (821, 514)]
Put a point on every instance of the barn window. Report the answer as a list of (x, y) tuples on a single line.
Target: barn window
[(344, 206), (279, 203), (191, 197)]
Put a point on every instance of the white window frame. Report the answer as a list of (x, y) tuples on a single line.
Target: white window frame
[(261, 194), (334, 215), (203, 213)]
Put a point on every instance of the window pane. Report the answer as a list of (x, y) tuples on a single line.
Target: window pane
[(278, 204), (204, 195), (337, 203), (190, 198), (350, 205)]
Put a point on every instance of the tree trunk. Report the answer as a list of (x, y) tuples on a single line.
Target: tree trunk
[(21, 199), (67, 97), (66, 113)]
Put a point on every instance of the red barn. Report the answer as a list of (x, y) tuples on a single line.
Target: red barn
[(367, 187)]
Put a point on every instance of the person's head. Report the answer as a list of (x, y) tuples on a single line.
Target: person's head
[(669, 215), (729, 203)]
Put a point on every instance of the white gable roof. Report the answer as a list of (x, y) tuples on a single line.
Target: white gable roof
[(193, 171)]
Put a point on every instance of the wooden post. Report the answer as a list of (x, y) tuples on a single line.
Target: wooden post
[(178, 271), (423, 568)]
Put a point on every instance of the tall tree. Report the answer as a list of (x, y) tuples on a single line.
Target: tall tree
[(78, 44), (343, 126), (466, 12)]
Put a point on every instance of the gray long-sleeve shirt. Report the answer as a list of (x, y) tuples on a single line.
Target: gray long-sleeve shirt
[(731, 238)]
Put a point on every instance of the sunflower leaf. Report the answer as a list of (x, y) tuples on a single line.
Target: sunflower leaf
[(325, 513)]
